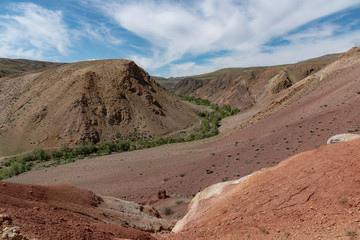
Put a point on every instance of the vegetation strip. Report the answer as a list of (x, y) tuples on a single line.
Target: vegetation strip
[(16, 165)]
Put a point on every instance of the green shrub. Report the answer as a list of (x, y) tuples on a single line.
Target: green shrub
[(167, 210), (40, 154)]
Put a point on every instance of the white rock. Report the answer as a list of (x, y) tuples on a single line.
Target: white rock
[(342, 138)]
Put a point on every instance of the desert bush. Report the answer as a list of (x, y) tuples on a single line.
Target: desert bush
[(56, 153), (7, 161), (84, 149), (209, 171), (167, 210)]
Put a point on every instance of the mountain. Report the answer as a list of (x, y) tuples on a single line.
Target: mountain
[(86, 101), (17, 66), (246, 87), (301, 189), (167, 83)]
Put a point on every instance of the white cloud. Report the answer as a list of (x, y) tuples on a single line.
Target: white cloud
[(94, 30), (31, 31), (295, 52), (180, 28)]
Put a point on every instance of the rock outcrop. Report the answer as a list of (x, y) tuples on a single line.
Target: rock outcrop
[(342, 138)]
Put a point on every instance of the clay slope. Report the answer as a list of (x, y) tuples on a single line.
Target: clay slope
[(86, 101), (66, 212), (245, 87), (313, 195)]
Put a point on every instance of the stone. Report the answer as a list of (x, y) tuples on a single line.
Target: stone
[(342, 138), (162, 194), (11, 233)]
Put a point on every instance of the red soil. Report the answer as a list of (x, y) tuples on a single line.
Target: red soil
[(58, 212), (313, 195)]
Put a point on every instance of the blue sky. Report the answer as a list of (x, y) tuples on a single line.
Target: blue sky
[(179, 37)]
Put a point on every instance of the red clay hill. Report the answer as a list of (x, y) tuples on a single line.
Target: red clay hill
[(67, 212), (312, 195)]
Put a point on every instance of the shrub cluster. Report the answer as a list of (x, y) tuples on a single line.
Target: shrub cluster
[(210, 122)]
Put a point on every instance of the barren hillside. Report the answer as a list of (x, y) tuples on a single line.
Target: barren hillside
[(245, 87), (313, 195), (66, 212), (17, 66), (86, 101)]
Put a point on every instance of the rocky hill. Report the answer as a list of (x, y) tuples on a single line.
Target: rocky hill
[(245, 87), (167, 83), (17, 66), (86, 101)]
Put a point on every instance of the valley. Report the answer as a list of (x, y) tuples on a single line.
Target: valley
[(284, 111)]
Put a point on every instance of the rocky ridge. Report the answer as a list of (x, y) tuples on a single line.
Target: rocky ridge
[(87, 101)]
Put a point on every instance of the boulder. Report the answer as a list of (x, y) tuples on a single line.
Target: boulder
[(11, 233), (342, 138)]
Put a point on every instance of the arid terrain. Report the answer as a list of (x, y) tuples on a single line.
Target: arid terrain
[(312, 195), (292, 110), (246, 87), (86, 101)]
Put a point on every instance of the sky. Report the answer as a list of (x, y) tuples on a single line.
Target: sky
[(178, 37)]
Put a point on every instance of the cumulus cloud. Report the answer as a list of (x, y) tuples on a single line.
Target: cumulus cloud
[(190, 28), (31, 31)]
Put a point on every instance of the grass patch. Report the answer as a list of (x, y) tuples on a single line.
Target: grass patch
[(178, 202)]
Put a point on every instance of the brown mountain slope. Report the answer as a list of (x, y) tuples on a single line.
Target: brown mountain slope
[(86, 101), (245, 87), (313, 195), (16, 66), (167, 83)]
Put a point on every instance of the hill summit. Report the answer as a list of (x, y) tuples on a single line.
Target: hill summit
[(86, 101)]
